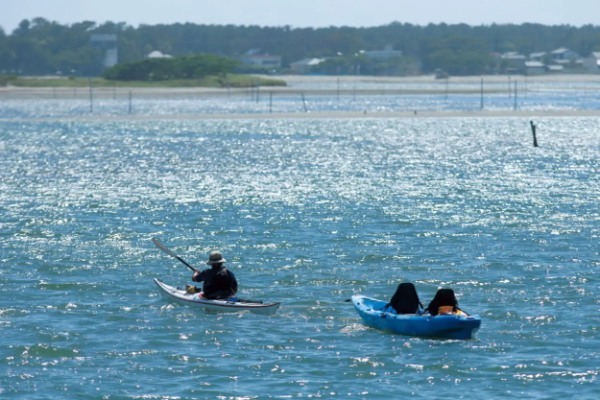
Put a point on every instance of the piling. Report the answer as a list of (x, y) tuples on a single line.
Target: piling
[(481, 95), (304, 102), (91, 96), (533, 127), (515, 104)]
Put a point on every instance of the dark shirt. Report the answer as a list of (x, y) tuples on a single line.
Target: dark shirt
[(219, 282)]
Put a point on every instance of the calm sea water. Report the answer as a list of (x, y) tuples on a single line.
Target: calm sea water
[(307, 212)]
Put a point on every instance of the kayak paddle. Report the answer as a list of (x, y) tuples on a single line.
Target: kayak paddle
[(169, 252)]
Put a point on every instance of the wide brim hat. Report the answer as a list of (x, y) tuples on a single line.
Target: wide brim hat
[(215, 257)]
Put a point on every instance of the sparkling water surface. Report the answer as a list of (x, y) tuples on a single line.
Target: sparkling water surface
[(307, 212)]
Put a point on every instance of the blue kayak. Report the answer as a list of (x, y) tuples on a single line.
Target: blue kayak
[(376, 315)]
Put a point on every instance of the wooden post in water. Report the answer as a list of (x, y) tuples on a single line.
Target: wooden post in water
[(535, 143), (304, 102), (481, 90), (515, 97), (446, 90), (130, 102), (91, 96), (257, 88)]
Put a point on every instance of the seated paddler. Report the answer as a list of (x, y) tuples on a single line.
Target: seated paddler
[(444, 302), (218, 281), (406, 300)]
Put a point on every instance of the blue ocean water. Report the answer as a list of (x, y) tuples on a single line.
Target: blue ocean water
[(307, 212)]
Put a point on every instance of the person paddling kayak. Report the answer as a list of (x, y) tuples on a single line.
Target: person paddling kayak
[(219, 282)]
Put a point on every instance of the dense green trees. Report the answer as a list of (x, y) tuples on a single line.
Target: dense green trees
[(39, 46), (160, 69)]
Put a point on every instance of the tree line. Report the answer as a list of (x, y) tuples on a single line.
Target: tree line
[(161, 69), (41, 47)]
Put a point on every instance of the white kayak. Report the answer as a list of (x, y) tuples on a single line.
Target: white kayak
[(227, 305)]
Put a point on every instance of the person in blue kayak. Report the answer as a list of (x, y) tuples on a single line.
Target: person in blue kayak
[(406, 300), (444, 302), (219, 282)]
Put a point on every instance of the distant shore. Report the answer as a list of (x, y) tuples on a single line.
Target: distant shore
[(312, 86), (332, 85)]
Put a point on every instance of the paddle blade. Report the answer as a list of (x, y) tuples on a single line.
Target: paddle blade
[(164, 248), (161, 246)]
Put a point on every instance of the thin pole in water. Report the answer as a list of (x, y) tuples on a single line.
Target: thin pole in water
[(533, 127), (304, 102), (91, 96), (446, 92), (270, 102), (481, 90), (515, 98), (257, 84)]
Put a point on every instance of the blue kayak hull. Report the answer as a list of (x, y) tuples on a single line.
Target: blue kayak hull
[(375, 315)]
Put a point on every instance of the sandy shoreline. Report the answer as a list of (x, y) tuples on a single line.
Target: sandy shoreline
[(331, 85)]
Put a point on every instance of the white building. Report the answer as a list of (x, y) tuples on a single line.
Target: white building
[(592, 63), (158, 54), (513, 61), (535, 68), (265, 61), (563, 55), (304, 66)]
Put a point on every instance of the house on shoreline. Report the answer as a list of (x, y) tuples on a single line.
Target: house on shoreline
[(304, 66), (561, 60), (592, 63), (256, 60)]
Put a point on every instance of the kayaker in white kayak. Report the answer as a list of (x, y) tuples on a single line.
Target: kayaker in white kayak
[(219, 282)]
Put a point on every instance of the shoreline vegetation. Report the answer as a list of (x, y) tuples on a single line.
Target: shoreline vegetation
[(363, 84), (229, 80), (267, 86)]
